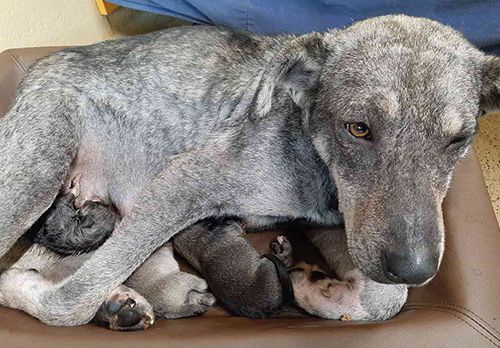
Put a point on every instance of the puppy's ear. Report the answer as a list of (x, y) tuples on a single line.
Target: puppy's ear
[(326, 289), (490, 94), (296, 69)]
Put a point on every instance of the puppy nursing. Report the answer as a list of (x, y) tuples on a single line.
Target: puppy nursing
[(68, 230), (243, 281)]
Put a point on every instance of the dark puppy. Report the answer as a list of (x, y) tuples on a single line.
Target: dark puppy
[(67, 230), (244, 281)]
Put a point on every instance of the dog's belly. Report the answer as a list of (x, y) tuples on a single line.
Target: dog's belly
[(115, 162), (111, 173), (88, 171)]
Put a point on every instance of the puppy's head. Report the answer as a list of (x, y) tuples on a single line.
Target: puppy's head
[(321, 295), (391, 105)]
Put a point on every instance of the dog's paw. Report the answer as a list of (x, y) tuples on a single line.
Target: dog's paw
[(196, 303), (283, 250), (125, 310)]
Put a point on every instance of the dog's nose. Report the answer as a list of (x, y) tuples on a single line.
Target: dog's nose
[(409, 268)]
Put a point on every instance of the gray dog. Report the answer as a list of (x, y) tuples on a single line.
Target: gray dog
[(364, 124)]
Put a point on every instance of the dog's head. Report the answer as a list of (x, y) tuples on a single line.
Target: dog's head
[(391, 104)]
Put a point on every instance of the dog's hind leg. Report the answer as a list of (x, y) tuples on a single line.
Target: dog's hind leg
[(38, 141)]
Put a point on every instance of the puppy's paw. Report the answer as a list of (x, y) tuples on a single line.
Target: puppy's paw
[(125, 310), (283, 250), (196, 303), (184, 295), (200, 301), (345, 317)]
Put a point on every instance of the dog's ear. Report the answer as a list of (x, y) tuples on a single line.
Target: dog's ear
[(296, 69), (490, 94)]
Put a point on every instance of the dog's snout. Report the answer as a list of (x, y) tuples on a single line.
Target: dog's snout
[(409, 268)]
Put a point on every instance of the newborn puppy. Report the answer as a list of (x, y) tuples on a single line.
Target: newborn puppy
[(68, 230), (245, 282)]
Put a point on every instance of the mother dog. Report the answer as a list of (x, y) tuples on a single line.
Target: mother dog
[(363, 125)]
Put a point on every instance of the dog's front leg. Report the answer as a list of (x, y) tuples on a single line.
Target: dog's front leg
[(181, 195)]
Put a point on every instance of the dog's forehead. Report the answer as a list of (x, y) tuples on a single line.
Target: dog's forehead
[(438, 89), (407, 67)]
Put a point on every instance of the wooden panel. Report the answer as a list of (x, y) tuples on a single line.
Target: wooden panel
[(106, 8)]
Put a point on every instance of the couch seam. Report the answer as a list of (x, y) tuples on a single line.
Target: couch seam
[(18, 62), (457, 311), (450, 312), (458, 306)]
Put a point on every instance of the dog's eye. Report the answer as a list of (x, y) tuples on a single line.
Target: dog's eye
[(358, 130)]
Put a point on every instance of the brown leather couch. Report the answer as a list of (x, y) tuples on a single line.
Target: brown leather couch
[(459, 308)]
